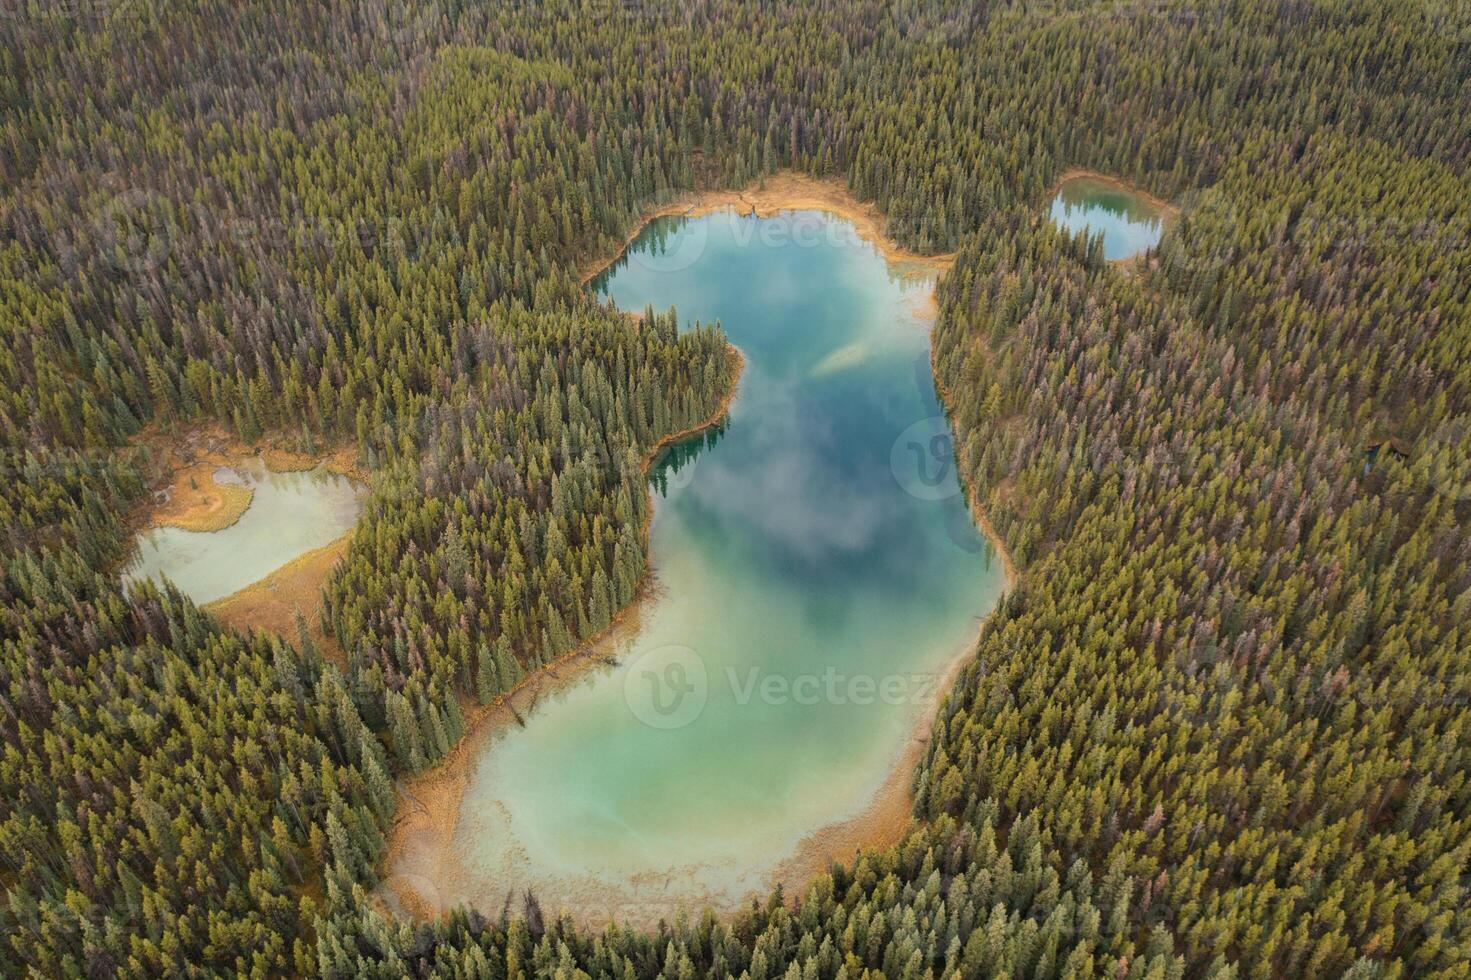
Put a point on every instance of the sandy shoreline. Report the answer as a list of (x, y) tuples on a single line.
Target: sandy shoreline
[(272, 603), (785, 190), (185, 464), (417, 859), (429, 802), (1169, 212)]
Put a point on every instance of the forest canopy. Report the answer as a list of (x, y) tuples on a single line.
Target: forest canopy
[(1221, 728)]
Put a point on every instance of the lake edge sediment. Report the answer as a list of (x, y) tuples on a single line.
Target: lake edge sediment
[(437, 793), (445, 782)]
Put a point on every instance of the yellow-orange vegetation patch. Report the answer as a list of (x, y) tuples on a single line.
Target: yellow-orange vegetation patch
[(273, 603), (186, 495), (195, 501), (182, 467)]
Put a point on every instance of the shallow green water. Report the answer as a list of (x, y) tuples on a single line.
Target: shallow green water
[(817, 573), (1128, 222), (289, 515)]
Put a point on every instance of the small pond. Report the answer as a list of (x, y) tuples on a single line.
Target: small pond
[(289, 515), (1128, 221)]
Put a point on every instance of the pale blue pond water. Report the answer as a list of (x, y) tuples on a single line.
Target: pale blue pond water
[(289, 515), (1129, 224)]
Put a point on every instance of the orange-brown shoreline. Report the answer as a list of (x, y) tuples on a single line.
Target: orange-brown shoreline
[(430, 802), (270, 603), (780, 192), (1167, 210), (184, 463)]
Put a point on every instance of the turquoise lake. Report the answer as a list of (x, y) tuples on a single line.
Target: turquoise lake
[(1128, 222), (816, 575), (289, 515)]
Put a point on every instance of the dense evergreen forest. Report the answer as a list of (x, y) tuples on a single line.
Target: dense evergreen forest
[(1222, 728)]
